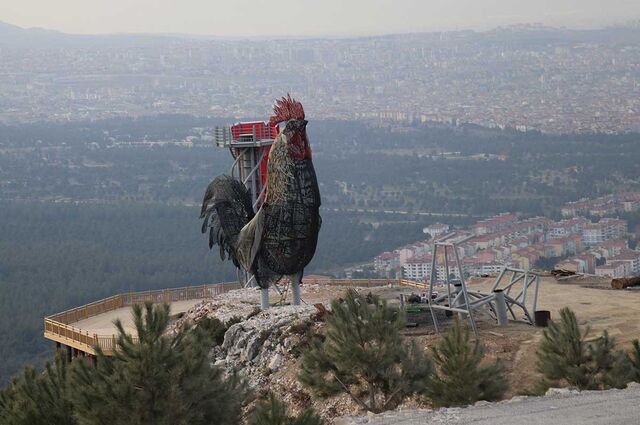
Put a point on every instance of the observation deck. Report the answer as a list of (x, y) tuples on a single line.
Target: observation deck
[(82, 329)]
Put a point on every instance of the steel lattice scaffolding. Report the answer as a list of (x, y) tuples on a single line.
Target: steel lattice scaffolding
[(456, 300), (519, 287), (249, 144), (512, 290)]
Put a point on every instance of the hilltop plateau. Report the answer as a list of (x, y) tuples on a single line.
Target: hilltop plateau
[(264, 346)]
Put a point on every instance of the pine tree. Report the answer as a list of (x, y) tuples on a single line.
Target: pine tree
[(610, 367), (215, 328), (564, 354), (364, 356), (156, 379), (460, 380), (38, 398), (271, 411), (634, 362)]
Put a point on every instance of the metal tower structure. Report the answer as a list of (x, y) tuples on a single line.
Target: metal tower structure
[(513, 289), (249, 144), (456, 298), (520, 288)]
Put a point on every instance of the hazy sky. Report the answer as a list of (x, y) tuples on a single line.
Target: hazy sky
[(307, 17)]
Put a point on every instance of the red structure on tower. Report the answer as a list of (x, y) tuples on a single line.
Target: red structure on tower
[(249, 144)]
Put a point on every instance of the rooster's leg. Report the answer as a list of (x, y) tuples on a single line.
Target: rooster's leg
[(264, 298), (296, 280)]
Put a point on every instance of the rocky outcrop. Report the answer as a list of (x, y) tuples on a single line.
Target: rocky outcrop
[(265, 347), (237, 303), (262, 344)]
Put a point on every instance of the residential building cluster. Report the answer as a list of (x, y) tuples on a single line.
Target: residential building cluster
[(603, 206), (489, 245), (611, 258)]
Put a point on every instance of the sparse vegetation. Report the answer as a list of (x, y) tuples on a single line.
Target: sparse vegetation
[(215, 328), (363, 355), (271, 411), (634, 362), (154, 379), (157, 379), (566, 355), (460, 378), (38, 398)]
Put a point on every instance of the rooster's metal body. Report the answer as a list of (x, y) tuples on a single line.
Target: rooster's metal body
[(280, 239)]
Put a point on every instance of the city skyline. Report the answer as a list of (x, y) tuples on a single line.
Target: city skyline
[(303, 18), (555, 81)]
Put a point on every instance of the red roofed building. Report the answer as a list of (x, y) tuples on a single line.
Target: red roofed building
[(493, 224), (612, 247), (615, 269), (605, 229), (436, 229), (386, 262), (629, 256), (582, 263)]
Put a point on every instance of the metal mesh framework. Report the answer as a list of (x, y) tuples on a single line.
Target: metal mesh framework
[(226, 209), (455, 299), (515, 287), (291, 226), (281, 239)]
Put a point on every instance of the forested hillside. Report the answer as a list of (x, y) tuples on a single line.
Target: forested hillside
[(403, 168), (53, 257), (58, 256)]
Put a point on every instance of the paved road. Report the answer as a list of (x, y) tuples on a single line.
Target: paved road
[(619, 407)]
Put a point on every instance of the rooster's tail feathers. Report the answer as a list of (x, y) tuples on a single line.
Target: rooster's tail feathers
[(226, 209)]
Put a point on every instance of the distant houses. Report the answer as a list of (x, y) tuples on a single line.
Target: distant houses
[(435, 230), (489, 245), (602, 206)]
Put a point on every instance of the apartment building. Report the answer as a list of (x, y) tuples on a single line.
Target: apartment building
[(604, 230)]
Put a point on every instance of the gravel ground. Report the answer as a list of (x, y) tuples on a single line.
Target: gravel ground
[(559, 407)]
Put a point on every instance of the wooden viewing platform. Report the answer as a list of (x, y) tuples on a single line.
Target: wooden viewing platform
[(80, 330)]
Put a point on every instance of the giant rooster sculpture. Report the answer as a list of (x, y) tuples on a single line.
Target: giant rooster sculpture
[(280, 239)]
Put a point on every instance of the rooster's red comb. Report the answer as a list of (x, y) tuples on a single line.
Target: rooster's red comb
[(286, 109)]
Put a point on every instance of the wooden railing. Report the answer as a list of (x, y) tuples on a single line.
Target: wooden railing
[(413, 284), (69, 335), (57, 327), (370, 283), (361, 283)]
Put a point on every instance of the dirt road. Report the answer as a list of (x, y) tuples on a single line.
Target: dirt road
[(620, 407)]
